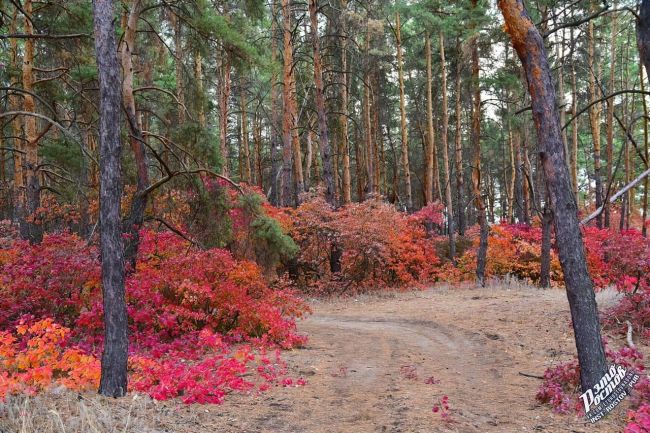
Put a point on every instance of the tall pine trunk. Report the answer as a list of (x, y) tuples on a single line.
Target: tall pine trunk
[(114, 358), (460, 182), (290, 137), (28, 228), (449, 200), (323, 133), (594, 117), (432, 189), (481, 255), (343, 116), (610, 116), (402, 109), (643, 42)]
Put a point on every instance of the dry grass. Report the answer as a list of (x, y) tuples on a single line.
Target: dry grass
[(61, 411)]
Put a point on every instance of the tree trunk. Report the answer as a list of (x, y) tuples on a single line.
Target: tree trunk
[(29, 229), (545, 257), (323, 134), (114, 358), (343, 116), (178, 63), (290, 123), (530, 47), (309, 156), (644, 210), (481, 255), (610, 115), (257, 143), (224, 99), (135, 219), (432, 190), (402, 109), (198, 77), (513, 177), (643, 42), (275, 141), (594, 117), (460, 183), (19, 196), (245, 145), (575, 129), (445, 151)]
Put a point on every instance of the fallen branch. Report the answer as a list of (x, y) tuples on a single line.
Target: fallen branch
[(625, 189)]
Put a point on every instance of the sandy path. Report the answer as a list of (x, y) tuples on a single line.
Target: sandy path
[(368, 359)]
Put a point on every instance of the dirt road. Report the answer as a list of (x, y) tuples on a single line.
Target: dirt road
[(368, 362), (379, 364)]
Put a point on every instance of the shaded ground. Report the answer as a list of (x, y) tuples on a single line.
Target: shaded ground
[(368, 360)]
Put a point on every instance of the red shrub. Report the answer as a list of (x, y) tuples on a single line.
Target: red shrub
[(187, 307), (380, 246)]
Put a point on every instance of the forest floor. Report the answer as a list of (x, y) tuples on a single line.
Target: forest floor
[(368, 361)]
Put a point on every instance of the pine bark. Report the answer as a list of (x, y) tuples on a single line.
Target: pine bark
[(610, 116), (224, 99), (594, 117), (291, 139), (30, 229), (432, 190), (245, 143), (113, 381), (19, 196), (343, 117), (481, 256), (323, 133), (403, 125), (276, 139), (643, 43), (444, 134), (575, 128), (460, 182)]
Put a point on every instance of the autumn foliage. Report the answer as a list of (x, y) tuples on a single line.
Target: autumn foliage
[(379, 247), (199, 319)]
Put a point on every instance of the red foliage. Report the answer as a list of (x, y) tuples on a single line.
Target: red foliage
[(513, 249), (187, 308), (381, 247), (561, 386)]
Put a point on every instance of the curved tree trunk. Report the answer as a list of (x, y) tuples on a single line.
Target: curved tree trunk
[(114, 358), (530, 47)]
